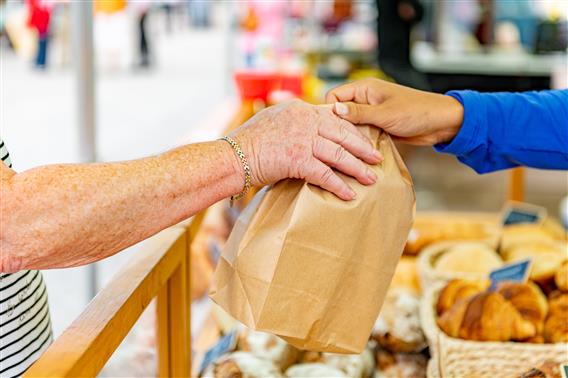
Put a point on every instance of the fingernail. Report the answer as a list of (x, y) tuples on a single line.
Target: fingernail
[(372, 176), (352, 194), (378, 155), (341, 109)]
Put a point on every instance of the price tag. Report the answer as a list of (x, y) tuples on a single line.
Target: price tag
[(564, 370), (226, 344), (519, 212), (516, 272)]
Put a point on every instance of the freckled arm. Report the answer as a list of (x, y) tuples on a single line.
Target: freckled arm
[(68, 215)]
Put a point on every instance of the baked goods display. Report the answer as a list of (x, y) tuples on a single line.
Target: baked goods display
[(395, 349), (509, 329), (513, 312)]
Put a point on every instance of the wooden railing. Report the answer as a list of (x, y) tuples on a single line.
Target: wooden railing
[(160, 270)]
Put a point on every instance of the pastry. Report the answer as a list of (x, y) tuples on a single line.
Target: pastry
[(457, 290), (353, 365), (556, 325), (400, 365), (428, 230), (561, 277), (313, 370), (556, 328), (486, 316), (243, 365), (533, 373), (406, 275), (521, 234), (528, 299), (558, 302), (267, 346), (546, 259), (468, 257), (398, 326)]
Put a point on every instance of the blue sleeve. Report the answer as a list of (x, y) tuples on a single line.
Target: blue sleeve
[(504, 130)]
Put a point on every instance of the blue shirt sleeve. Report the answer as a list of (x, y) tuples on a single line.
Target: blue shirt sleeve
[(504, 130)]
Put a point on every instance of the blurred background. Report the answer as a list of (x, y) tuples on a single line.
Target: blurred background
[(124, 79)]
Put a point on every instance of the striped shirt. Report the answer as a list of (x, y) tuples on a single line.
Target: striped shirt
[(25, 325)]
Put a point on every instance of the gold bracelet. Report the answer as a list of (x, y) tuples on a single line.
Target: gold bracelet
[(244, 163)]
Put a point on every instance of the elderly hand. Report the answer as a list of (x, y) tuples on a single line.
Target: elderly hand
[(410, 115), (298, 140)]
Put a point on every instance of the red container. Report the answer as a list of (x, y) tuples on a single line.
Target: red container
[(291, 83), (255, 85)]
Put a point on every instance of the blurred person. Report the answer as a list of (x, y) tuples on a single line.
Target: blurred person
[(113, 34), (39, 17), (67, 215), (395, 23), (486, 131), (142, 11), (199, 11)]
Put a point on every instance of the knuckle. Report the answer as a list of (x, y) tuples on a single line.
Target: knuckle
[(343, 133), (339, 154), (326, 175)]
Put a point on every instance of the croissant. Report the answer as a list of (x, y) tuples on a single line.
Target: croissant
[(558, 302), (528, 299), (561, 277), (457, 290), (556, 325), (556, 328), (486, 316)]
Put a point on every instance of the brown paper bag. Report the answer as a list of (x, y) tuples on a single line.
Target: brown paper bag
[(313, 269)]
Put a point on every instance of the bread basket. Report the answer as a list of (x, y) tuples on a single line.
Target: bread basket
[(429, 276), (453, 357)]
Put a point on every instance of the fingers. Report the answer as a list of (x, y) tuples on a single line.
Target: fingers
[(359, 113), (346, 92), (346, 135), (338, 157), (319, 174)]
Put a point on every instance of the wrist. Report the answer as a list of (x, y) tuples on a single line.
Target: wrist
[(237, 172), (452, 120)]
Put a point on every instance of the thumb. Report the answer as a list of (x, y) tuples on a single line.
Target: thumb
[(357, 113)]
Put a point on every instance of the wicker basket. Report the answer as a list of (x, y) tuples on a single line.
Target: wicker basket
[(429, 276), (453, 357)]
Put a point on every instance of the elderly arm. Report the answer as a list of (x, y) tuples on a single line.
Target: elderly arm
[(68, 215)]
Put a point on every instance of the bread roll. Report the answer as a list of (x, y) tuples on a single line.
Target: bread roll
[(406, 275), (313, 370), (546, 259), (528, 299), (556, 325), (457, 290), (242, 364), (561, 276), (267, 346), (353, 365), (468, 257), (398, 326), (521, 234), (486, 316), (400, 365)]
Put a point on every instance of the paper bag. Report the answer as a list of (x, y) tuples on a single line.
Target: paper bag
[(313, 269)]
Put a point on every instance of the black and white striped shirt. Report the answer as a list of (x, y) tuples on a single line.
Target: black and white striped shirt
[(25, 325)]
